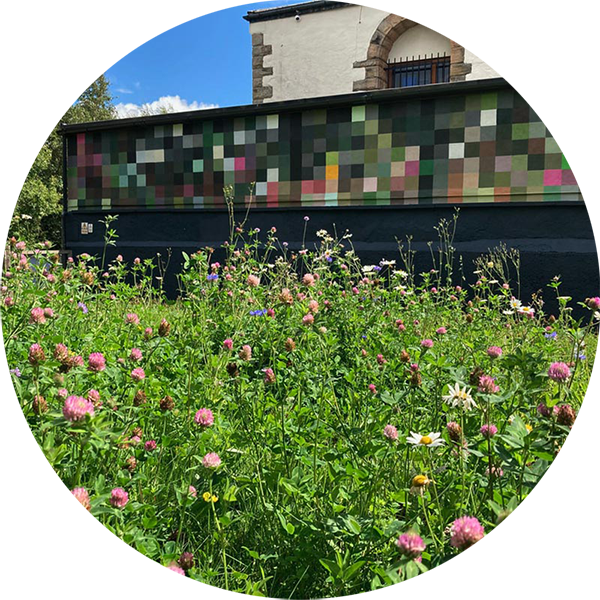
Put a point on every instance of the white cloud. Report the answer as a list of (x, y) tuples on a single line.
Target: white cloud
[(124, 91), (165, 104)]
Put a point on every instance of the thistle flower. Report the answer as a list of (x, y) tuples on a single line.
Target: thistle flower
[(559, 372), (432, 440), (458, 397), (465, 532), (441, 331), (390, 432), (204, 417), (410, 545), (228, 344), (427, 344), (192, 491), (372, 388), (290, 345), (93, 396), (150, 445), (119, 497), (211, 461)]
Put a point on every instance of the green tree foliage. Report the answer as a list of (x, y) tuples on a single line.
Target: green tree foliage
[(41, 195)]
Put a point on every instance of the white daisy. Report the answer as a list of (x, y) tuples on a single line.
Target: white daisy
[(461, 398), (432, 440), (526, 310), (514, 303)]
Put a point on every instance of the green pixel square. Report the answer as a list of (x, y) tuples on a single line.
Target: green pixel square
[(331, 158), (489, 100), (520, 131)]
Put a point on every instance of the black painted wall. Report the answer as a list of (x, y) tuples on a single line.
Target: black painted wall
[(553, 239)]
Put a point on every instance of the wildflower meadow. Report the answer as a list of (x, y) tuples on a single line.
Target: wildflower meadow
[(296, 424)]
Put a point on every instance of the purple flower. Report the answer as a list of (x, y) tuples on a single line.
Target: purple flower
[(96, 362), (465, 532), (204, 417), (212, 277), (119, 497), (488, 431), (559, 372), (550, 336), (138, 374), (16, 372), (487, 385), (390, 432), (494, 351), (411, 545), (83, 307), (211, 461)]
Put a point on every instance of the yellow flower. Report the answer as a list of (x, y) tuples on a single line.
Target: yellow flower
[(206, 496), (528, 427), (420, 480), (214, 498)]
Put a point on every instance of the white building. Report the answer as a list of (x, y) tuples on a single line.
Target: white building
[(323, 48)]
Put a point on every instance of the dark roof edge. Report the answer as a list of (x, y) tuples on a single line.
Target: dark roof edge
[(353, 98), (282, 12)]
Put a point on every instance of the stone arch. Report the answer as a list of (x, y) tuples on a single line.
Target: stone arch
[(382, 40)]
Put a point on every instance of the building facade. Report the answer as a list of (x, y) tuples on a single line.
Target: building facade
[(324, 48)]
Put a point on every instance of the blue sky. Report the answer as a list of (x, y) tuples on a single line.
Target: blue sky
[(199, 50), (182, 62)]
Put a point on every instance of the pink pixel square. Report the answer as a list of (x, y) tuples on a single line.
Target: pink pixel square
[(240, 163), (553, 177), (308, 187), (412, 167)]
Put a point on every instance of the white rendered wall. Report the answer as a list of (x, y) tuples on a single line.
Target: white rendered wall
[(419, 41), (314, 56), (484, 38)]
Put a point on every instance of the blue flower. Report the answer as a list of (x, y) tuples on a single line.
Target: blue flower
[(376, 268), (212, 277), (258, 313), (550, 336)]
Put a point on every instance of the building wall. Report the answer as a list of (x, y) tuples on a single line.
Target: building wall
[(314, 56), (419, 41), (467, 142)]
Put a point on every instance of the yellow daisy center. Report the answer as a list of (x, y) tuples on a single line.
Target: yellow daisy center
[(420, 480), (426, 440)]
